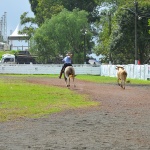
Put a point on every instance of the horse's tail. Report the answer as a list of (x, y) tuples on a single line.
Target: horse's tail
[(72, 76)]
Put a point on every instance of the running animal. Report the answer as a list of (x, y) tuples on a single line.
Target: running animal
[(121, 75), (68, 74)]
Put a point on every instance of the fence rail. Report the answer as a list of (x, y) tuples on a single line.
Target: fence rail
[(134, 71)]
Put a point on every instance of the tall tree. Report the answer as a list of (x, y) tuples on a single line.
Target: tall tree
[(62, 33), (29, 23), (121, 41), (87, 5), (34, 5), (44, 9)]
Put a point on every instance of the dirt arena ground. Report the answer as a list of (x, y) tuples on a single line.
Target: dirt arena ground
[(121, 122)]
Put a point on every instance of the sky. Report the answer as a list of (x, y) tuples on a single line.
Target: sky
[(14, 9)]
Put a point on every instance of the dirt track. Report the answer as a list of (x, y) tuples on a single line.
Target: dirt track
[(121, 122)]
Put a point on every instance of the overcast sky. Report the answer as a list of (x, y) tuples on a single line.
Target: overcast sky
[(14, 9)]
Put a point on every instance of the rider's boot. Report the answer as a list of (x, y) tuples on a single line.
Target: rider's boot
[(60, 74)]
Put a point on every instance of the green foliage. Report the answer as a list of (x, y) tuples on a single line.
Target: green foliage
[(46, 9), (88, 5), (28, 29), (6, 52), (121, 41), (62, 33), (117, 39), (149, 25), (34, 4)]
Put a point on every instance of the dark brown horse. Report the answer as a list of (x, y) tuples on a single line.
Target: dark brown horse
[(68, 74)]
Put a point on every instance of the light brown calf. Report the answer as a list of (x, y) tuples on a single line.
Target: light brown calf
[(121, 75)]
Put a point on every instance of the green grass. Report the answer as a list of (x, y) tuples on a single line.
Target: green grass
[(20, 99), (103, 79), (98, 79)]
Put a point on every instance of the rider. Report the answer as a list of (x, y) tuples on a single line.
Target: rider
[(67, 62)]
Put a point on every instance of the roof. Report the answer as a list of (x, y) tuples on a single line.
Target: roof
[(16, 36), (8, 56)]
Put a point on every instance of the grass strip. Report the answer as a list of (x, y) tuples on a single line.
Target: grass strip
[(20, 99)]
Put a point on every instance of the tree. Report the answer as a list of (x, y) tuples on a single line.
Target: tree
[(149, 25), (87, 5), (121, 41), (30, 28), (46, 9), (34, 4), (62, 33)]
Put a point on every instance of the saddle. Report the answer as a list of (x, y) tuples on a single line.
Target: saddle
[(66, 65)]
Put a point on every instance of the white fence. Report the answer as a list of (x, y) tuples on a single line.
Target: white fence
[(45, 69), (134, 71)]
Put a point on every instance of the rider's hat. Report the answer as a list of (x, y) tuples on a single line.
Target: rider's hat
[(68, 54)]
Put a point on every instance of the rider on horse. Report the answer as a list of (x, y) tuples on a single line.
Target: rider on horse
[(67, 62)]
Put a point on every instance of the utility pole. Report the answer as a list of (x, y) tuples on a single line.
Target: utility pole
[(84, 32), (109, 21), (84, 50), (136, 16)]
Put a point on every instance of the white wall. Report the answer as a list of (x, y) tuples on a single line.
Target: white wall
[(134, 71)]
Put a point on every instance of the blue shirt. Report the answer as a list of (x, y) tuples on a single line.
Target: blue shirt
[(67, 60)]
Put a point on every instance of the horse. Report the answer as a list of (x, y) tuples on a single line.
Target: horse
[(68, 74)]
